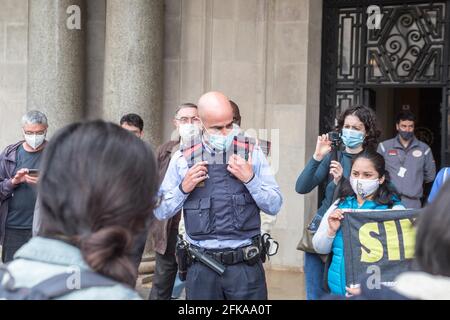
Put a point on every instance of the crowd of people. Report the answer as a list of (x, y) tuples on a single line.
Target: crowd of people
[(93, 195)]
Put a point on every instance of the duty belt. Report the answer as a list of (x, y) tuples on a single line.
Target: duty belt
[(229, 257)]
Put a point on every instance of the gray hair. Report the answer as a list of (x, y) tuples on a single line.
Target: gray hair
[(34, 117), (183, 106)]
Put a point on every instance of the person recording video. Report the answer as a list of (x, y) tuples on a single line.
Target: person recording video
[(356, 132)]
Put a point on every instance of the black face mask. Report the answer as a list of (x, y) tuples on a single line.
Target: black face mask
[(406, 135)]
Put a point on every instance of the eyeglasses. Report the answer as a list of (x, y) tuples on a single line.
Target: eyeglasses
[(184, 120), (31, 133)]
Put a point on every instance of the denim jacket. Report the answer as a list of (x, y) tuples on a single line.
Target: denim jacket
[(43, 258)]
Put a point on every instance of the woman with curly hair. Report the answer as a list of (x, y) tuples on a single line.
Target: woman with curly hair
[(357, 127)]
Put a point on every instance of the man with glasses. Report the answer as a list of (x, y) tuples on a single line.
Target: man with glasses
[(164, 233), (18, 178), (221, 184)]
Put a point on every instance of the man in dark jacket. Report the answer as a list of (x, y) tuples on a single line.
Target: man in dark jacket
[(164, 233), (17, 184)]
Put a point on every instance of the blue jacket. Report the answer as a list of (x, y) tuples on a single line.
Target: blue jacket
[(441, 178), (336, 272)]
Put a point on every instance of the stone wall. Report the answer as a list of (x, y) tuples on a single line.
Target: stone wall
[(13, 68), (265, 55)]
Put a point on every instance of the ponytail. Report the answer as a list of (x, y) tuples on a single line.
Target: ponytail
[(107, 251)]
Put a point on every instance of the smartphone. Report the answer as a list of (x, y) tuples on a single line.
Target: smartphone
[(33, 172)]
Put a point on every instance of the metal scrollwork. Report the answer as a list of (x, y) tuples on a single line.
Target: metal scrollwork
[(411, 47)]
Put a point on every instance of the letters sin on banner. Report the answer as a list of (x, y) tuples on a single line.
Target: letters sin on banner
[(383, 240)]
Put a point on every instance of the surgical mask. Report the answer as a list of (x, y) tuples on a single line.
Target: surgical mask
[(188, 131), (363, 187), (35, 140), (406, 135), (352, 138), (220, 142)]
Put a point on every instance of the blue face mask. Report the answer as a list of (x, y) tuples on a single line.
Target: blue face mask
[(352, 138), (220, 142)]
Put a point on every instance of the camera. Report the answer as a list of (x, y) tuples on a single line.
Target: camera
[(335, 138)]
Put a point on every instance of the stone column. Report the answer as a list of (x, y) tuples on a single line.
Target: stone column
[(56, 60), (133, 63)]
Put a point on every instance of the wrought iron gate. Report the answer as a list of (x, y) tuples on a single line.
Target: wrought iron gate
[(409, 49)]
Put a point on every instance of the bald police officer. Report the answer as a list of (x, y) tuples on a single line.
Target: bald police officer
[(409, 161), (221, 185)]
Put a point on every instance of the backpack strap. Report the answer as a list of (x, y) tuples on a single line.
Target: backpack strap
[(243, 146), (55, 286), (193, 153)]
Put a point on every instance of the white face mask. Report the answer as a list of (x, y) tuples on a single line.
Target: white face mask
[(363, 187), (35, 140), (188, 131)]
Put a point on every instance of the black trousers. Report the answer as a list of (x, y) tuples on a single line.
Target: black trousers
[(239, 282), (138, 248), (166, 269), (14, 239)]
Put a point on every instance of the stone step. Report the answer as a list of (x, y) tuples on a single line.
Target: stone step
[(147, 267), (149, 257), (147, 279)]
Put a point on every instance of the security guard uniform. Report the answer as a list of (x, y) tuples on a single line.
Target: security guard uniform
[(408, 168)]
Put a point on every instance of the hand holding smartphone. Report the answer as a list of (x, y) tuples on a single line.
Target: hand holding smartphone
[(33, 173)]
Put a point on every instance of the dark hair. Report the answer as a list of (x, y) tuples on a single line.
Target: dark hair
[(185, 105), (386, 193), (433, 235), (368, 118), (133, 120), (97, 190), (236, 113), (405, 116)]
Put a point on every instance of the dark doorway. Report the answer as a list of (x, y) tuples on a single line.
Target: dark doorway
[(425, 103), (403, 63)]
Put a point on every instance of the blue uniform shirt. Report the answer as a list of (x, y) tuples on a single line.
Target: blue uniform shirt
[(263, 188), (441, 178)]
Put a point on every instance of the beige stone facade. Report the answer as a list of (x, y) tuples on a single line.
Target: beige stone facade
[(263, 54)]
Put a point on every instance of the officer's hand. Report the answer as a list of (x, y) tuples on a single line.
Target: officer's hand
[(196, 174), (323, 147), (334, 221), (20, 177), (336, 171), (241, 169)]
